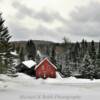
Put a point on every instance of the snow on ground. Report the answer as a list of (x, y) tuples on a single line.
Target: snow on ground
[(58, 75), (25, 87)]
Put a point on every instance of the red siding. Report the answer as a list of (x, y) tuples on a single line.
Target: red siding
[(45, 70)]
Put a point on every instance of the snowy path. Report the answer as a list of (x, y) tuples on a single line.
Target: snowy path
[(31, 89), (51, 92)]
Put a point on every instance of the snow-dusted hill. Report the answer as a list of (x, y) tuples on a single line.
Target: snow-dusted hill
[(25, 87)]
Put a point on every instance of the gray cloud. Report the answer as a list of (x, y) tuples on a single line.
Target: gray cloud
[(87, 13), (18, 31), (24, 11), (47, 16), (40, 33), (85, 21)]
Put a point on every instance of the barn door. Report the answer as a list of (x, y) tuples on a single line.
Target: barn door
[(44, 75)]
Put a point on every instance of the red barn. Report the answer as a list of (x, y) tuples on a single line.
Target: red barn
[(45, 69)]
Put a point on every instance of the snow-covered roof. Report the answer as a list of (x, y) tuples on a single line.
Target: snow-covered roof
[(43, 61), (14, 53), (29, 63)]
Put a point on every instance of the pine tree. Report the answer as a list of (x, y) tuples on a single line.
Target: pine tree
[(31, 50), (13, 47), (76, 55), (53, 54), (11, 67), (67, 71), (18, 48), (47, 50), (87, 69), (84, 47), (5, 48), (77, 50), (21, 54), (98, 54), (92, 51), (98, 63)]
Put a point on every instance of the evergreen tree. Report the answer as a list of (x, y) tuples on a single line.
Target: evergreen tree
[(76, 55), (98, 63), (87, 69), (84, 47), (92, 51), (98, 54), (31, 50), (5, 48), (11, 66), (67, 71), (21, 54), (18, 48), (47, 51), (59, 67), (77, 50), (53, 54)]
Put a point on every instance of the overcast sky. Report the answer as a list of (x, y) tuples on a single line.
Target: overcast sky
[(52, 19)]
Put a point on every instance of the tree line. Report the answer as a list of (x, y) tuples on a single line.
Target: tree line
[(80, 57)]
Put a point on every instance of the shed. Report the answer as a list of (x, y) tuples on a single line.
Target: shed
[(27, 67), (45, 69)]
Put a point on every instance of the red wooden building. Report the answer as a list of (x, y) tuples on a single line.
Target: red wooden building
[(45, 69)]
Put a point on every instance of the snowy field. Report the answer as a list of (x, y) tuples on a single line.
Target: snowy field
[(24, 87)]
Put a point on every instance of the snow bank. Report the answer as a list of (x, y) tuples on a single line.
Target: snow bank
[(26, 80), (22, 80), (6, 82), (22, 76), (4, 77), (70, 80), (58, 75)]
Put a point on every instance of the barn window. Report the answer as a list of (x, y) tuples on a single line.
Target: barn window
[(44, 75), (42, 67), (51, 73)]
